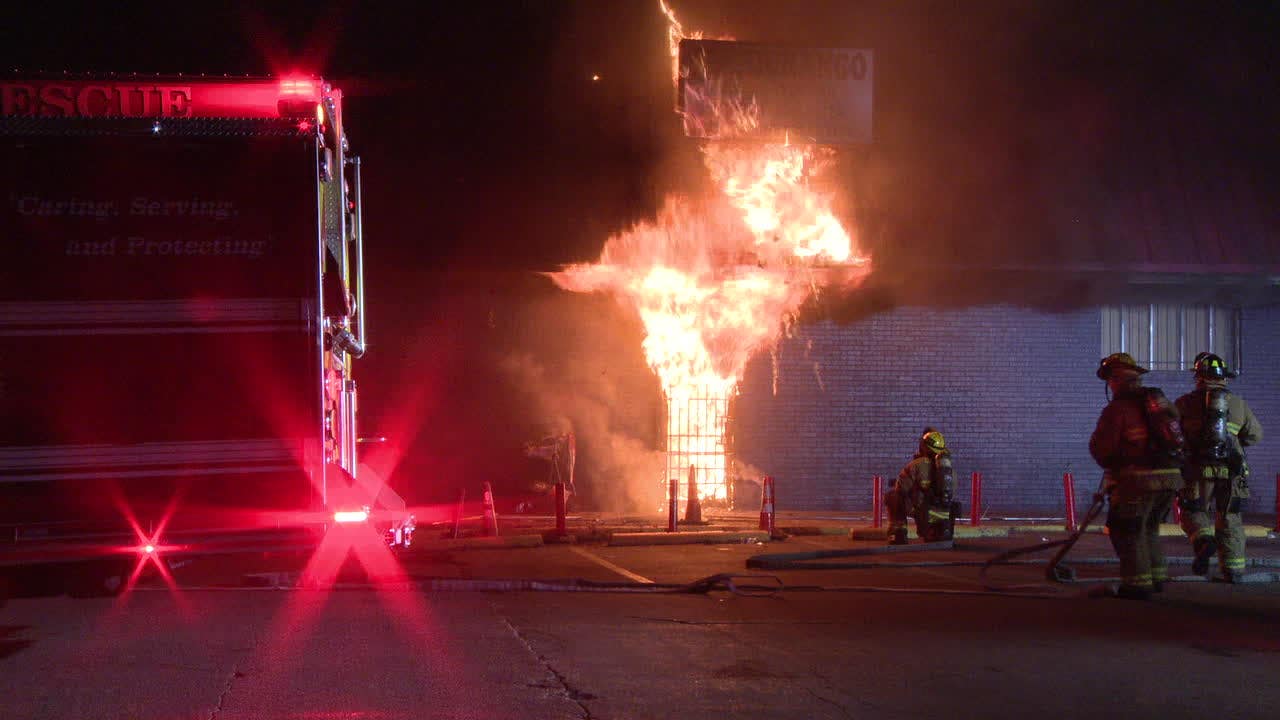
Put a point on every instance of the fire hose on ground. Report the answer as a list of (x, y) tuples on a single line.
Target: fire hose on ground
[(758, 585), (745, 585), (738, 584), (1055, 572), (749, 585)]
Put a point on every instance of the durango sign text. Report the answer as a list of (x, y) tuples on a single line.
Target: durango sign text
[(818, 95)]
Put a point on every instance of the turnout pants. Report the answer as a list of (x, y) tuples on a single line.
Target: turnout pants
[(1222, 497), (896, 506), (934, 522), (1133, 522)]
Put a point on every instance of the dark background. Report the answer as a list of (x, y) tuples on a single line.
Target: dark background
[(490, 155)]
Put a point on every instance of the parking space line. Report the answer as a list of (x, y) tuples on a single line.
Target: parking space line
[(605, 563)]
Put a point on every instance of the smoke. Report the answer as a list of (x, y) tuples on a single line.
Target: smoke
[(576, 366), (1018, 160)]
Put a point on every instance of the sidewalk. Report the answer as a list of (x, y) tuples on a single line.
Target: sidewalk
[(740, 526)]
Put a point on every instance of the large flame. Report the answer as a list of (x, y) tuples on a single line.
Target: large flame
[(714, 281), (675, 33)]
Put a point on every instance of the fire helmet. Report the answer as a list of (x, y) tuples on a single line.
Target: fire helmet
[(1211, 366), (932, 442), (1118, 361)]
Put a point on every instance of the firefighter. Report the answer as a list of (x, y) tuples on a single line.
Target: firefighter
[(1219, 425), (924, 490), (1139, 444)]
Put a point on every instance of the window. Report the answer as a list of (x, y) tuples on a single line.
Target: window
[(1167, 337)]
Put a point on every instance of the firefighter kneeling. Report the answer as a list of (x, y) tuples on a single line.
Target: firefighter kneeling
[(924, 490)]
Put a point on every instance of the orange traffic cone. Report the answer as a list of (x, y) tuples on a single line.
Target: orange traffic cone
[(490, 513), (693, 507), (766, 505)]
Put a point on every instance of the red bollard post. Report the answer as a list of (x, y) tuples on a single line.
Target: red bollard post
[(673, 493), (877, 500), (975, 499), (561, 527), (767, 499), (1069, 491)]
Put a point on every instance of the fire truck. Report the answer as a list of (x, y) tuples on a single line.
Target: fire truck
[(181, 313)]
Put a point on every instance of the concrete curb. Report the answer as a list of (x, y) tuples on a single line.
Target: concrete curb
[(870, 533), (687, 538), (1166, 530), (982, 531), (478, 543), (1048, 529), (811, 530)]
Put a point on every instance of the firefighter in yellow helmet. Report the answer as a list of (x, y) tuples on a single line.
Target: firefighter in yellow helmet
[(1219, 425), (924, 490), (1139, 444)]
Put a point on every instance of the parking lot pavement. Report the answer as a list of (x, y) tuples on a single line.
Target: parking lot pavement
[(915, 636), (264, 654)]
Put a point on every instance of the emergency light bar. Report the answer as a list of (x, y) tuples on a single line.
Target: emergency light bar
[(298, 86), (147, 96)]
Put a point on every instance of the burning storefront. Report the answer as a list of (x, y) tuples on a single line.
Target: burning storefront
[(1018, 235), (716, 279)]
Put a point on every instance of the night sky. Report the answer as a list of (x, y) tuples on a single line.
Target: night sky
[(486, 141), (488, 147)]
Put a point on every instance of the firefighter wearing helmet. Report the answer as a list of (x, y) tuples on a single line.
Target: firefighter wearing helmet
[(923, 490), (1219, 425), (1139, 444)]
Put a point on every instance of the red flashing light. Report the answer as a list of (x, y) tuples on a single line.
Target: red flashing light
[(148, 549), (298, 87), (298, 96), (350, 516)]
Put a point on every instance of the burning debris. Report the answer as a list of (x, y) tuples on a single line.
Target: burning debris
[(714, 279), (560, 451)]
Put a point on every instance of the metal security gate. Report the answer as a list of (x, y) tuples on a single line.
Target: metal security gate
[(697, 427)]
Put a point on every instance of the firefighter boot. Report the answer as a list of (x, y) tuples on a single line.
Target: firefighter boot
[(898, 535), (1124, 592), (1133, 592), (1205, 548), (951, 521), (937, 524)]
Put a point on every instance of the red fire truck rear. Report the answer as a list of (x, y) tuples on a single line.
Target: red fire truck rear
[(181, 311)]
